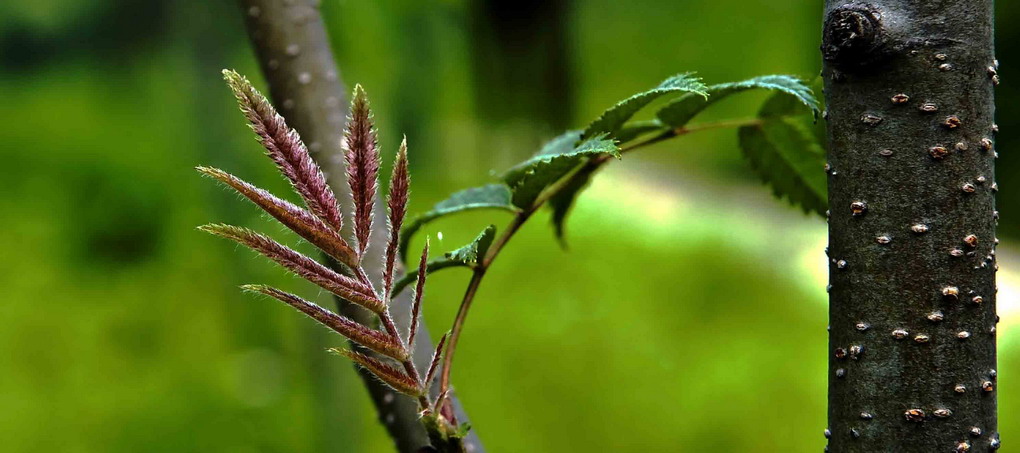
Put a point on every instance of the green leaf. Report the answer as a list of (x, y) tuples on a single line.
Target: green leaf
[(528, 179), (491, 196), (612, 119), (467, 256), (563, 201), (679, 112), (470, 254), (562, 144), (785, 152), (782, 104)]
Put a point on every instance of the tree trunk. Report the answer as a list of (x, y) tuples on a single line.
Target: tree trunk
[(295, 56), (909, 89), (520, 57)]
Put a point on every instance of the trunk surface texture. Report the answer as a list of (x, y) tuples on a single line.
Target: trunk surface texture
[(909, 92)]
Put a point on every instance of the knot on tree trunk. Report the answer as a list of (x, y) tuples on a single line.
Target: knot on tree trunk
[(853, 36)]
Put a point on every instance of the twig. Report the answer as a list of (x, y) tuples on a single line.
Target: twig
[(523, 216)]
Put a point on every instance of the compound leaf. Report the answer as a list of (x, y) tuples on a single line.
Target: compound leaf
[(679, 112), (614, 118), (528, 179)]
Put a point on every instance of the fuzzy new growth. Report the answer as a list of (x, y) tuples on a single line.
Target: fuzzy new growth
[(386, 373), (396, 204), (370, 338), (434, 364), (419, 291), (320, 225), (284, 146), (301, 265), (298, 220), (362, 158)]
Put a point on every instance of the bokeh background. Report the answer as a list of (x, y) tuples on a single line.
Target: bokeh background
[(688, 314)]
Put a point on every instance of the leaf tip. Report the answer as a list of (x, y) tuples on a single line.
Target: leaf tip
[(235, 80), (211, 228), (359, 96), (211, 172), (219, 229), (252, 288), (561, 238)]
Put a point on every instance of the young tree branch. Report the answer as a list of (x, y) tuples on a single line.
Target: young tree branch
[(522, 217), (293, 51)]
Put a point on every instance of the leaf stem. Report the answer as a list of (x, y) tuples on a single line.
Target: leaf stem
[(391, 328), (518, 221), (458, 325), (683, 130)]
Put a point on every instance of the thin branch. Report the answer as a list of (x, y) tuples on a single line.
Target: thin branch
[(391, 328), (518, 221), (458, 325)]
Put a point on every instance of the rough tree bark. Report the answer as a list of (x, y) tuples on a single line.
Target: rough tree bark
[(909, 88), (294, 53)]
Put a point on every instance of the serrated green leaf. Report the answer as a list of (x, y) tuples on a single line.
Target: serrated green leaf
[(491, 196), (614, 118), (679, 112), (563, 201), (785, 152), (528, 179), (562, 144), (782, 104), (467, 256), (474, 251)]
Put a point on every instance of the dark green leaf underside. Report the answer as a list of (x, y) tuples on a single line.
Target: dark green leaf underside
[(528, 179), (784, 151), (563, 201)]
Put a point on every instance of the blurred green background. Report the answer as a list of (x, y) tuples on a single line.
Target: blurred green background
[(688, 315)]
